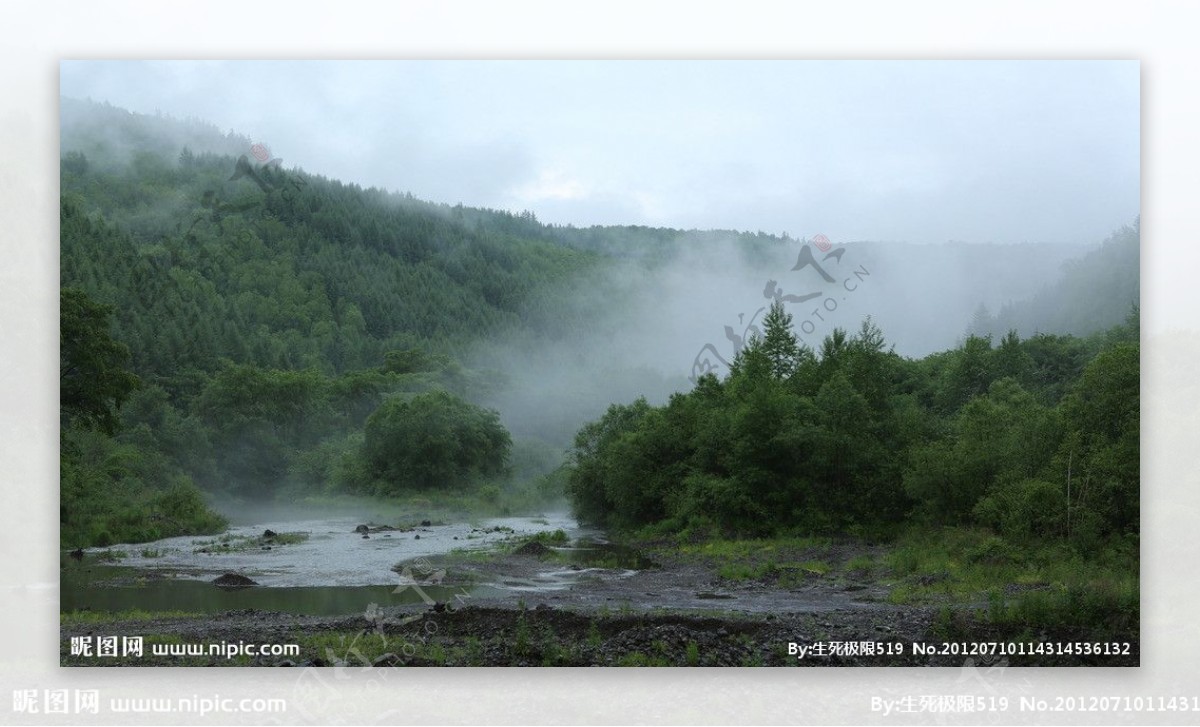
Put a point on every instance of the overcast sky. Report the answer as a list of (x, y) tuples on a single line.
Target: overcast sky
[(920, 151)]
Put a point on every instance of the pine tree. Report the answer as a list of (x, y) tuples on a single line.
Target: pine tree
[(779, 342)]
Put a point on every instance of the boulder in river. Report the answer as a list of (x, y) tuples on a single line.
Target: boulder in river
[(269, 533), (233, 580), (362, 529), (426, 523)]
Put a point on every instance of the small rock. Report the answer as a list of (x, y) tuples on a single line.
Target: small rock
[(426, 523), (416, 537), (233, 580), (77, 554), (269, 533), (266, 547), (362, 529), (456, 537), (366, 537)]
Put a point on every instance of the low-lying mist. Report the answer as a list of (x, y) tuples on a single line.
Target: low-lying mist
[(656, 326)]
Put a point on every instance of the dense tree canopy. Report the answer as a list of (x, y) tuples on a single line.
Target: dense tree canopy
[(433, 440), (1034, 438), (93, 378)]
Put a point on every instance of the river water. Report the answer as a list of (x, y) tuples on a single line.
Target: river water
[(334, 570)]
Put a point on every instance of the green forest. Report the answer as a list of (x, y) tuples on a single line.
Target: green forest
[(1030, 438), (237, 330), (263, 337)]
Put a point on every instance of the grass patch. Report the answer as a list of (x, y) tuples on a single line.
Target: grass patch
[(546, 537), (641, 659), (1107, 607), (230, 543), (816, 567), (861, 564), (783, 561), (594, 640), (356, 648), (761, 547), (87, 618), (740, 572), (1019, 586)]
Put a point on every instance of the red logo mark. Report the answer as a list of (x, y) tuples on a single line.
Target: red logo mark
[(260, 152), (822, 242)]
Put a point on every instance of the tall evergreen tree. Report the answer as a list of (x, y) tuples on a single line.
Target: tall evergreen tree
[(779, 341)]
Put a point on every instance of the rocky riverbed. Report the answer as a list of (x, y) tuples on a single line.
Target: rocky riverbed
[(559, 601)]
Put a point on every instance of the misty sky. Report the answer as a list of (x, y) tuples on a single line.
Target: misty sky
[(920, 151)]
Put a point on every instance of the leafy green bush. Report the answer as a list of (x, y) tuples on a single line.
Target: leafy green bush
[(433, 441), (1024, 508), (992, 551)]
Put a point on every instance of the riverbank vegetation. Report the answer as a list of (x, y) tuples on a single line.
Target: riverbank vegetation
[(1004, 473)]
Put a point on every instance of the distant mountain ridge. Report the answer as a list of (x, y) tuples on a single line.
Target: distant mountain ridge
[(1091, 293)]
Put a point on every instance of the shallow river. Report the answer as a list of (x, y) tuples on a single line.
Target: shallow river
[(333, 571)]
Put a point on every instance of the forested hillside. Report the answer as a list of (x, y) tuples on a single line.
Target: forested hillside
[(266, 314), (1088, 295), (235, 327)]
